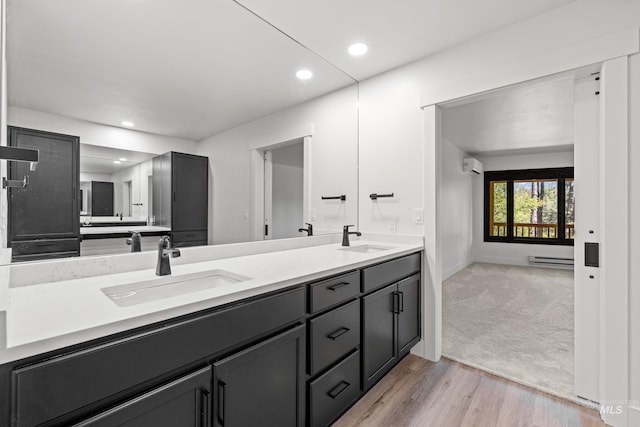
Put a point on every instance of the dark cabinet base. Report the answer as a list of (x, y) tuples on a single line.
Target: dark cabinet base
[(262, 385), (184, 402)]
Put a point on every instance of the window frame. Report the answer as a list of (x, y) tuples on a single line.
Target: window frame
[(560, 174)]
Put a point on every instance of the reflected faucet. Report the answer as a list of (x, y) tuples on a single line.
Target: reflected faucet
[(309, 229), (135, 241), (163, 268), (346, 233)]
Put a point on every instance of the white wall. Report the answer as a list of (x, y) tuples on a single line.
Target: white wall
[(97, 134), (138, 175), (634, 233), (334, 160), (457, 202), (391, 143), (392, 127), (513, 253), (287, 200)]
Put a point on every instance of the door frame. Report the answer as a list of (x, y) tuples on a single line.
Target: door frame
[(257, 149), (612, 52)]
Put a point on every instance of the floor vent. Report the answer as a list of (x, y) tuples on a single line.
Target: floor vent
[(551, 261)]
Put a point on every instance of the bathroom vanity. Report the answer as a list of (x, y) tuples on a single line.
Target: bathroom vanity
[(286, 338)]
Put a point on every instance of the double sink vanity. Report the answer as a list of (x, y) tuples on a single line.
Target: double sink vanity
[(288, 332)]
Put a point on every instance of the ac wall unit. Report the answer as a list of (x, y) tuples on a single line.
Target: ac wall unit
[(469, 164)]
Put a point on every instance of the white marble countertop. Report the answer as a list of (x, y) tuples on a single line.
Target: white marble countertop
[(122, 229), (48, 316)]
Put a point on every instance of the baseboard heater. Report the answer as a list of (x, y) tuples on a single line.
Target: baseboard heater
[(543, 260)]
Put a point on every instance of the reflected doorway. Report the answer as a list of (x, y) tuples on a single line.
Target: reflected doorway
[(284, 191)]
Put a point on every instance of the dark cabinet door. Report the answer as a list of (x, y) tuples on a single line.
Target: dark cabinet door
[(262, 385), (379, 334), (408, 314), (48, 207), (162, 197), (184, 402), (101, 198), (190, 192)]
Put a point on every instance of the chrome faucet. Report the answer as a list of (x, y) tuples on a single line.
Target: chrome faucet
[(135, 241), (346, 233), (309, 229), (163, 268)]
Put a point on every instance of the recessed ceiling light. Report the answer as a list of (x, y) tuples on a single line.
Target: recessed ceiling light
[(304, 74), (127, 124), (117, 162), (122, 159), (358, 49)]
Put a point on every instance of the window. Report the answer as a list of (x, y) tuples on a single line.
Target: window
[(530, 206)]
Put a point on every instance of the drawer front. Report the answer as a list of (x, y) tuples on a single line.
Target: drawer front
[(333, 335), (59, 386), (334, 291), (187, 237), (45, 246), (335, 391), (389, 272)]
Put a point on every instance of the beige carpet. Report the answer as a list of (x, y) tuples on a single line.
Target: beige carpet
[(515, 322)]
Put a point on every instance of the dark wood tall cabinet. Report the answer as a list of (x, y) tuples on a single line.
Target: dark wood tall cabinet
[(44, 217), (181, 197)]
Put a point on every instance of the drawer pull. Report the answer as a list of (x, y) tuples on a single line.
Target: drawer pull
[(338, 333), (338, 286), (335, 392)]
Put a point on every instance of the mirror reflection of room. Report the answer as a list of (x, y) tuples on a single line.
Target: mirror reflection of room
[(108, 121)]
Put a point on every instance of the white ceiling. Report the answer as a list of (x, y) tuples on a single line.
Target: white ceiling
[(97, 159), (531, 117), (397, 32), (188, 68), (193, 68)]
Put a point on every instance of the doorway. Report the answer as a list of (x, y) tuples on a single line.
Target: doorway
[(284, 191), (508, 239)]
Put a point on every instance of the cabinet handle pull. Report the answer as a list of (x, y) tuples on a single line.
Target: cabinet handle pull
[(396, 302), (338, 286), (335, 392), (401, 301), (204, 412), (334, 335), (221, 389)]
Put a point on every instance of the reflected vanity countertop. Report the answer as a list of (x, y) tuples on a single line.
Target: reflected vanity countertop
[(49, 316), (123, 229)]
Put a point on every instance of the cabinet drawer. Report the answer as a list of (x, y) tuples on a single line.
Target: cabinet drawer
[(43, 247), (59, 386), (189, 238), (335, 391), (333, 335), (389, 272), (334, 291)]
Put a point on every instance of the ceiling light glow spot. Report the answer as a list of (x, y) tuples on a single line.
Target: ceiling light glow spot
[(358, 49), (117, 162), (127, 124), (304, 74)]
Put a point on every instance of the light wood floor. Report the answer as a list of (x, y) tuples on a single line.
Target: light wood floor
[(418, 392)]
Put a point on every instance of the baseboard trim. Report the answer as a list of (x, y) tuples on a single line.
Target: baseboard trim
[(456, 268), (521, 262)]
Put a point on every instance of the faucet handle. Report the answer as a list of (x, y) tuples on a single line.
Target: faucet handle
[(346, 227)]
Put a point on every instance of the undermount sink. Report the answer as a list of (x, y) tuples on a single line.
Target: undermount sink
[(170, 286), (366, 249)]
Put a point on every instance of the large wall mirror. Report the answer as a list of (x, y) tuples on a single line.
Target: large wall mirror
[(120, 84)]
